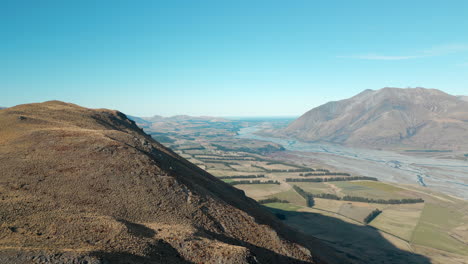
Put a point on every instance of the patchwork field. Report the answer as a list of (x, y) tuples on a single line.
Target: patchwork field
[(399, 220), (284, 206), (436, 227), (376, 190), (289, 195), (258, 191), (315, 187)]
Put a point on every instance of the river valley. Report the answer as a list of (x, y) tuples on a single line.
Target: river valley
[(449, 176)]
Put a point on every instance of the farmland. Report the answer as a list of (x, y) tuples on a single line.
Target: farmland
[(436, 227)]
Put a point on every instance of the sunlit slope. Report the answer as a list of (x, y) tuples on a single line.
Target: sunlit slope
[(78, 183), (416, 118)]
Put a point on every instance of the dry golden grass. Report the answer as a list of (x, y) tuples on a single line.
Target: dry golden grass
[(91, 180), (260, 190)]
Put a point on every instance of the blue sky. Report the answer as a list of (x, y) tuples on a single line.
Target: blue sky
[(226, 58)]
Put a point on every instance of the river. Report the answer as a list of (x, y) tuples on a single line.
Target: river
[(449, 176)]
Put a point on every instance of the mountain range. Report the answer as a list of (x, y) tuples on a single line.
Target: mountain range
[(158, 118), (81, 185), (412, 118), (158, 122)]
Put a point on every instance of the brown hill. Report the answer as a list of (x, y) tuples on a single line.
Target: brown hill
[(390, 117), (88, 186)]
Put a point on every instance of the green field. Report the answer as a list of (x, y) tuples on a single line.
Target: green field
[(376, 190), (284, 206), (259, 190), (291, 196), (434, 228), (314, 187), (355, 211), (437, 228), (378, 186), (227, 180), (399, 220)]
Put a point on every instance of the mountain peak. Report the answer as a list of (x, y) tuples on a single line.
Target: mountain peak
[(388, 117)]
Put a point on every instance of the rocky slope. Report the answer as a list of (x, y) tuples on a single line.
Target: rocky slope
[(414, 118), (88, 186)]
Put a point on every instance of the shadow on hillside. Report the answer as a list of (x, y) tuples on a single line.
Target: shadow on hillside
[(262, 255), (360, 244), (352, 244), (161, 252), (137, 230)]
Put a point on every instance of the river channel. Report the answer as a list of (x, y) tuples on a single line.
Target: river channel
[(449, 176)]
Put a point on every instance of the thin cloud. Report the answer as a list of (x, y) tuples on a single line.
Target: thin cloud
[(432, 52), (445, 49), (379, 57)]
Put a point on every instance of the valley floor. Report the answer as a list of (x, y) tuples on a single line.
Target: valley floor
[(443, 172), (433, 231)]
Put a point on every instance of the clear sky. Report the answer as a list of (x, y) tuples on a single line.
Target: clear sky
[(226, 58)]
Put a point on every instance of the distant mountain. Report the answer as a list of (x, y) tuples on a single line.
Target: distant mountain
[(157, 118), (416, 118), (79, 185), (2, 108), (156, 122), (139, 120), (464, 98)]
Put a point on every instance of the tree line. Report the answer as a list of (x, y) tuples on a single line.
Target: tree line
[(307, 196), (260, 150), (225, 162), (242, 176), (332, 196), (282, 170), (324, 170), (382, 201), (189, 148), (272, 200), (288, 164), (325, 174), (349, 178), (372, 216), (224, 158), (254, 182)]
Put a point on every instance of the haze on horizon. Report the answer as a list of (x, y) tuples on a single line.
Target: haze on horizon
[(217, 58)]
